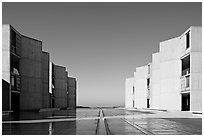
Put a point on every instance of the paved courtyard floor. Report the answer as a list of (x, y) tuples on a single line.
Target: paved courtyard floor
[(106, 121)]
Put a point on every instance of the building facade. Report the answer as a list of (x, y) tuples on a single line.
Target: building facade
[(72, 92), (29, 80), (174, 79)]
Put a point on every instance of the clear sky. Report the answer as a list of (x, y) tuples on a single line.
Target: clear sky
[(101, 44)]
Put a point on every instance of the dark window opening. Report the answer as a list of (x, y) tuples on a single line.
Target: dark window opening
[(187, 40), (148, 105), (15, 101), (185, 65), (15, 43), (148, 83), (185, 102), (133, 104)]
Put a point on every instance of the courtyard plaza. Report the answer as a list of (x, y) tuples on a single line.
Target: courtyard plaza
[(102, 121)]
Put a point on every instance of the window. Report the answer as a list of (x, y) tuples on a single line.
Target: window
[(133, 90), (187, 40), (148, 83)]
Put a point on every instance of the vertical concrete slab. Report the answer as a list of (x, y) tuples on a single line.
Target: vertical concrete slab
[(31, 74), (170, 69), (129, 103), (60, 87), (45, 75), (67, 88), (72, 92), (196, 69), (155, 86), (140, 85), (5, 67)]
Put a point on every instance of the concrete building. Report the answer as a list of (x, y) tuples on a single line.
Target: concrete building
[(191, 69), (140, 86), (31, 74), (11, 76), (29, 80), (46, 95), (72, 92), (129, 94), (60, 80), (175, 74), (155, 82)]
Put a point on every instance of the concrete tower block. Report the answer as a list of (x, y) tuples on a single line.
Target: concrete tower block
[(60, 87), (45, 76), (72, 92), (129, 96), (31, 74)]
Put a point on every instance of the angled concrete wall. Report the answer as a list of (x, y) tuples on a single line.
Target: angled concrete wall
[(45, 75), (60, 87), (31, 74), (67, 88), (196, 69), (170, 71), (129, 93), (140, 85), (155, 82), (72, 92), (5, 67)]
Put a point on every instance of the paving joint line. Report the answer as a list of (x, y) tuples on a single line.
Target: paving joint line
[(139, 128), (98, 122), (108, 132), (47, 120)]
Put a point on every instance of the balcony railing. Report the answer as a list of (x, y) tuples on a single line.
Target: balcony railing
[(186, 71), (185, 83), (15, 82)]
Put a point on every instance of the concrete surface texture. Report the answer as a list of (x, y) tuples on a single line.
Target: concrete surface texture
[(45, 75), (170, 65), (5, 67), (129, 93), (140, 84), (155, 82), (72, 92), (31, 74), (196, 69), (60, 86)]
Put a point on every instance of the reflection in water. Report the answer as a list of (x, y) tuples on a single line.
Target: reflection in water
[(50, 128), (68, 127)]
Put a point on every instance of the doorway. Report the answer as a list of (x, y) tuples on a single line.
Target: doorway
[(185, 98), (148, 105), (15, 101)]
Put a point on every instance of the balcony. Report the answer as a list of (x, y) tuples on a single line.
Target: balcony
[(185, 83), (15, 82), (186, 72)]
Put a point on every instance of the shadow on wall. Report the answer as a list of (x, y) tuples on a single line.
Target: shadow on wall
[(5, 95)]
